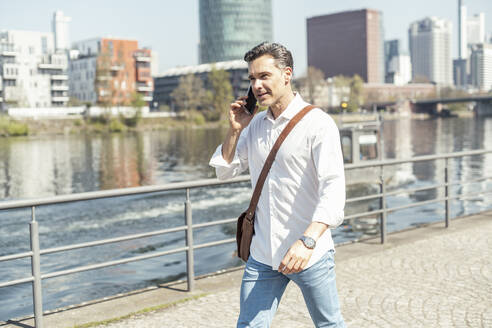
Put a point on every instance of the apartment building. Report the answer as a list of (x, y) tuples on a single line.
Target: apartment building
[(33, 73), (110, 71)]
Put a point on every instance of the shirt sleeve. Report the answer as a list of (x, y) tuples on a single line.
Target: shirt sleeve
[(328, 161), (239, 164)]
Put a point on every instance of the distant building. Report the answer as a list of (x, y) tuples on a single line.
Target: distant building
[(398, 67), (167, 82), (60, 30), (430, 50), (399, 70), (34, 74), (475, 29), (229, 28), (110, 71), (347, 43), (481, 66)]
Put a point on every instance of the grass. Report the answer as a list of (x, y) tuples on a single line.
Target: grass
[(143, 311), (11, 128)]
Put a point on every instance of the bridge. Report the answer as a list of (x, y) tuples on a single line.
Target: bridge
[(435, 106)]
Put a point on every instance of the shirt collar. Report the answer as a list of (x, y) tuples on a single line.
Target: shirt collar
[(292, 109)]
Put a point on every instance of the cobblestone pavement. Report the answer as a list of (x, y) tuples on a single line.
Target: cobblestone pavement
[(441, 281)]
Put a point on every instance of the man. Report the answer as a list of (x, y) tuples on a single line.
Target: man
[(302, 198)]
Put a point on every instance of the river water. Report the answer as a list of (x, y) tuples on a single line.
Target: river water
[(44, 166)]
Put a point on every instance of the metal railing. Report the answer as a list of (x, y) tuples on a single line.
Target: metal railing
[(35, 252)]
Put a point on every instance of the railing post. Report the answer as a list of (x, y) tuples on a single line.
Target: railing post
[(446, 192), (382, 204), (190, 266), (36, 271)]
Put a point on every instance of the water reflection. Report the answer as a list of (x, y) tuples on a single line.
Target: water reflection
[(36, 167)]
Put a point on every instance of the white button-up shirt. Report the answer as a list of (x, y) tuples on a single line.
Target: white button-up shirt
[(306, 182)]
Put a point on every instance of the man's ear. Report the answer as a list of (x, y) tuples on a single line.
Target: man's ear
[(287, 75)]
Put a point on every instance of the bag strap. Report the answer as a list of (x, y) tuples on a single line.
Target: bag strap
[(271, 157)]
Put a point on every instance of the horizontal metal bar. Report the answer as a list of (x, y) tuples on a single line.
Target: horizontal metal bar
[(215, 243), (15, 256), (358, 199), (16, 282), (358, 215), (111, 240), (118, 192), (421, 203), (417, 159), (212, 223), (111, 263), (471, 195)]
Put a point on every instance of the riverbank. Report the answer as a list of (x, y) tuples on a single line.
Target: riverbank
[(76, 124)]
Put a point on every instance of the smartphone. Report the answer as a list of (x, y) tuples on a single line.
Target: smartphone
[(251, 101)]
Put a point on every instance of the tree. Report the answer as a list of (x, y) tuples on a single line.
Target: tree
[(102, 82), (355, 97), (221, 94), (315, 80), (350, 89), (189, 94)]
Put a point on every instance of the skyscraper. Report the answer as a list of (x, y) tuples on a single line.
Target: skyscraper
[(475, 29), (60, 30), (347, 43), (430, 50), (229, 28)]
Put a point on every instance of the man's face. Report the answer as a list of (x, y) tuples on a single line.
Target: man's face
[(269, 82)]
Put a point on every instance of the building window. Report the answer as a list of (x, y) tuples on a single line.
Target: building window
[(44, 45)]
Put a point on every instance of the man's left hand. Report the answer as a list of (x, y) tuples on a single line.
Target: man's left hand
[(296, 259)]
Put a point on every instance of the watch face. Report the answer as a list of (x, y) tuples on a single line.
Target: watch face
[(308, 242)]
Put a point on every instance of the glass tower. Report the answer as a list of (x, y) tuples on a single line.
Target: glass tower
[(229, 28)]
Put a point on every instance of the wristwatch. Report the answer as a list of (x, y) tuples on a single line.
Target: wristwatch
[(308, 242)]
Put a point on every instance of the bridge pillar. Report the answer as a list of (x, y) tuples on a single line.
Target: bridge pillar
[(483, 108)]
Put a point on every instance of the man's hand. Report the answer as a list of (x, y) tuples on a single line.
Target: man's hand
[(239, 117), (296, 259)]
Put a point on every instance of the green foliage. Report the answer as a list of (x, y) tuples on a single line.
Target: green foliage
[(221, 93), (134, 120), (189, 94), (11, 128), (197, 118), (137, 100), (351, 90), (115, 125), (77, 122)]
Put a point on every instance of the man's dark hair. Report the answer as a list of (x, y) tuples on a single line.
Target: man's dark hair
[(282, 56)]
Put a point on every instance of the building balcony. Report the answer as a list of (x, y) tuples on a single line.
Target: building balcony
[(51, 66), (147, 98), (144, 88), (7, 53), (10, 71), (116, 68), (59, 77), (59, 99), (143, 59), (104, 78), (59, 88)]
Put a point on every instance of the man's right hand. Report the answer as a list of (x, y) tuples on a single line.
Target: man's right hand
[(239, 117)]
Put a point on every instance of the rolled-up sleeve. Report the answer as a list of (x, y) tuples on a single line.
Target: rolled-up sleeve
[(239, 164), (328, 160)]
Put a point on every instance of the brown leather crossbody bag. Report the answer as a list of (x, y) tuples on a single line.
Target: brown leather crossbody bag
[(245, 222)]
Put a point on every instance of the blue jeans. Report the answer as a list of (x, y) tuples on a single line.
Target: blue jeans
[(262, 289)]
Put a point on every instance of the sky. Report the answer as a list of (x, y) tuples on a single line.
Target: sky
[(171, 28)]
